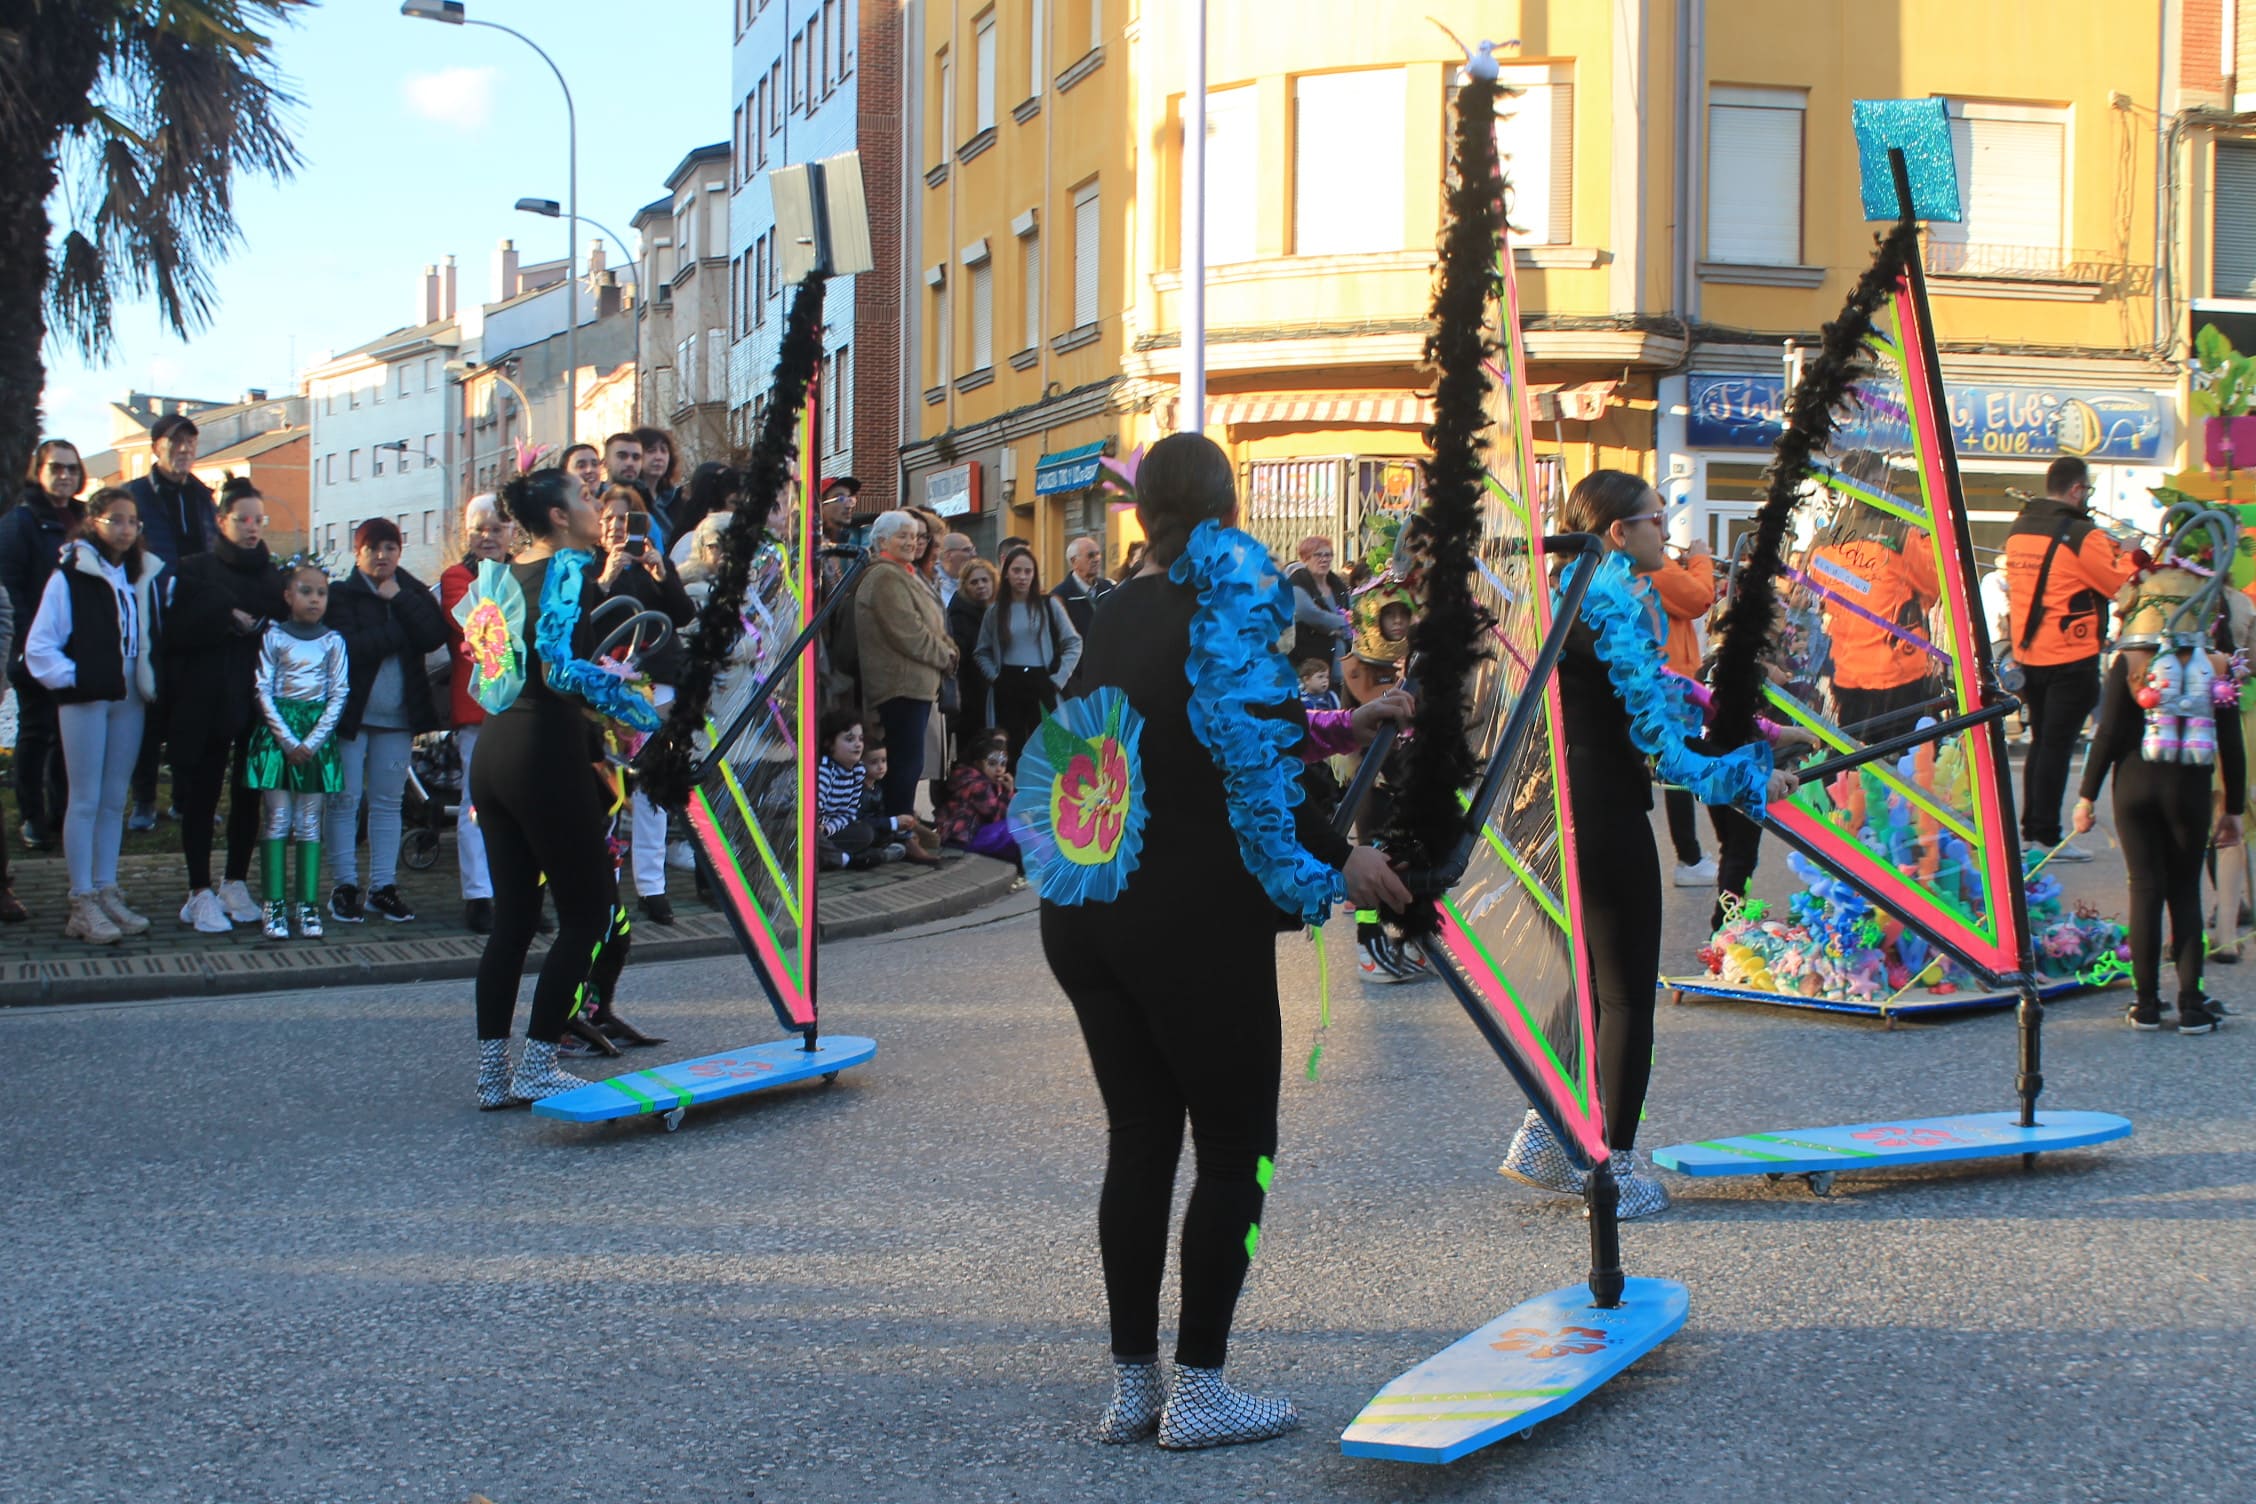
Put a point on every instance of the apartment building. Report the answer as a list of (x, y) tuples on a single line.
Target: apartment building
[(684, 322)]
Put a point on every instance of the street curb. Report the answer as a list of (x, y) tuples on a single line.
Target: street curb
[(965, 884)]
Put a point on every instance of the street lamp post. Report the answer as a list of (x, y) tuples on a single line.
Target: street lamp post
[(548, 208), (451, 13)]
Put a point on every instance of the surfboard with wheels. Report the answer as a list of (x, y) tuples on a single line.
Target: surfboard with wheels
[(669, 1091), (1910, 1004), (1819, 1154), (1540, 1358)]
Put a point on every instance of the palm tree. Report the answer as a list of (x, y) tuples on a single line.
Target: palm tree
[(142, 113)]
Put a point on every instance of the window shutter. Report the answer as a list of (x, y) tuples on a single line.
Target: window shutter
[(1030, 260), (1347, 162), (2234, 250), (1754, 185), (1231, 203), (983, 315), (983, 64), (2009, 174), (1088, 230), (1535, 141)]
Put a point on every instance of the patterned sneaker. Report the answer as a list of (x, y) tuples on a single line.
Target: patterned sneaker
[(344, 904), (493, 1075), (309, 921), (387, 902), (537, 1075), (1204, 1411), (1537, 1158), (235, 898), (1387, 960), (1642, 1194), (277, 922), (1136, 1401)]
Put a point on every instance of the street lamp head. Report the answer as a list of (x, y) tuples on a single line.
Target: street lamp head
[(547, 208), (449, 11)]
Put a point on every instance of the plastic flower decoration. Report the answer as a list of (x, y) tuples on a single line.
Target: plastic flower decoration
[(491, 614), (1079, 811)]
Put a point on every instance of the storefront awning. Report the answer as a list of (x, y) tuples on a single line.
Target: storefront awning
[(1577, 402)]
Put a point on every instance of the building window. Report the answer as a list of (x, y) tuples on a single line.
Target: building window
[(983, 72), (1233, 143), (1030, 285), (2233, 253), (982, 277), (798, 72), (940, 330), (944, 97), (842, 399), (822, 24), (1034, 40), (352, 465), (329, 469), (352, 396), (1535, 140), (430, 373), (1088, 236), (375, 460), (1348, 134), (430, 451), (830, 405), (2012, 188), (404, 372), (1096, 24), (775, 96), (1755, 175), (430, 531)]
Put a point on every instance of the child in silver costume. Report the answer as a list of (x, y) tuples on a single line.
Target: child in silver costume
[(301, 686)]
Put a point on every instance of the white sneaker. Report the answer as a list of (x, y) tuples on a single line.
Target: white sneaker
[(235, 898), (204, 912), (1700, 874), (2070, 852), (680, 857)]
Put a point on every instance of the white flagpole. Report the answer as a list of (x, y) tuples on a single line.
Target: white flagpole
[(1190, 414)]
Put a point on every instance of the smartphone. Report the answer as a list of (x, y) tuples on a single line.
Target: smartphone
[(636, 547)]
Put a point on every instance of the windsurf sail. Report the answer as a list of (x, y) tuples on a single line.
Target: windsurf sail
[(1883, 651), (752, 808)]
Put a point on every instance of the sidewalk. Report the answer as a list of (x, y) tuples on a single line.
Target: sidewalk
[(37, 965)]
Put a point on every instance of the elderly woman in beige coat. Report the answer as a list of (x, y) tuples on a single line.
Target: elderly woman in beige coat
[(905, 652)]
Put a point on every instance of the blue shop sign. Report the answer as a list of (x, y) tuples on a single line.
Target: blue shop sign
[(2001, 422), (1068, 470)]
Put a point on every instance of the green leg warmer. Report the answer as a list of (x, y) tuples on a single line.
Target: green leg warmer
[(309, 872), (276, 873)]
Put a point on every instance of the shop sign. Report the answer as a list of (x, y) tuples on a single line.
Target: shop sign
[(953, 492), (1068, 470), (2001, 422)]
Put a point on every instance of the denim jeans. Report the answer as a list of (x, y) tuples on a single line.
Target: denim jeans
[(374, 762)]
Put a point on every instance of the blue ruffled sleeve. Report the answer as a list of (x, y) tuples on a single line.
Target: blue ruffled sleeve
[(1662, 717), (603, 692), (1244, 606)]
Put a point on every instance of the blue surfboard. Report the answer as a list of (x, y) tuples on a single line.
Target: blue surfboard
[(1527, 1365), (1884, 1145), (1909, 1004), (671, 1090)]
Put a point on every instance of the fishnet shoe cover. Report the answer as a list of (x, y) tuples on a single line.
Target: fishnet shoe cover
[(493, 1074), (1642, 1194), (537, 1076), (1136, 1397), (1204, 1411), (1537, 1158)]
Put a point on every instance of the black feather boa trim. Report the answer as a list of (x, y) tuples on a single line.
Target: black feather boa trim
[(1825, 386), (1448, 637), (668, 764)]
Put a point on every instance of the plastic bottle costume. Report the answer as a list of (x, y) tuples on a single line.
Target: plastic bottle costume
[(301, 687)]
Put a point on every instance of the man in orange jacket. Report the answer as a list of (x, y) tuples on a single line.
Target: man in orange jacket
[(2061, 569), (1687, 593)]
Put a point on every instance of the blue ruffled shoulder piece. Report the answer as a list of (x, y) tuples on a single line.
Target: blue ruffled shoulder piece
[(605, 693), (1662, 717), (1244, 606)]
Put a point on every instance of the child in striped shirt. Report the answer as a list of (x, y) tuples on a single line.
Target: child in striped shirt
[(847, 838)]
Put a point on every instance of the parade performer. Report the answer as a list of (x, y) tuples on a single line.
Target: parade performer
[(2170, 709), (302, 685), (540, 802), (1164, 788), (1620, 707)]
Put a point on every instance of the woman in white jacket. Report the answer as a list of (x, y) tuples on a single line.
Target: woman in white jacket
[(92, 644)]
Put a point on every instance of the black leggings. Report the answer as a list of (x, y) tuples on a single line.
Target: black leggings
[(1621, 906), (1163, 1048), (2162, 819), (541, 811), (1022, 694), (198, 775), (1684, 829), (1739, 849)]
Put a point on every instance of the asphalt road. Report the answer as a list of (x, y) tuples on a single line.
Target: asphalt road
[(263, 1249)]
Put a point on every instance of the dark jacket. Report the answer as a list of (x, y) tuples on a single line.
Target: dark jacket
[(1329, 594), (406, 627), (964, 618), (209, 662), (664, 596), (176, 521), (31, 542), (1080, 601)]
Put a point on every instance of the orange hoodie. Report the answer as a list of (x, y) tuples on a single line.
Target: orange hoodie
[(1687, 592), (1895, 584)]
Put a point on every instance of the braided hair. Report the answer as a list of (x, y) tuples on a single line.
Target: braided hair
[(1185, 480)]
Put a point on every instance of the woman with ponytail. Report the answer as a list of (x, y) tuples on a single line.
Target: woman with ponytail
[(541, 804), (1204, 716), (1621, 706)]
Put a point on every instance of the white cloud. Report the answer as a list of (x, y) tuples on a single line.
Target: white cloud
[(460, 97)]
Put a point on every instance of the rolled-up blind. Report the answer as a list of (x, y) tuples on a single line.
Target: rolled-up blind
[(1755, 184), (2234, 260)]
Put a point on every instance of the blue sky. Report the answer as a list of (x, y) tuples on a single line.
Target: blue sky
[(417, 139)]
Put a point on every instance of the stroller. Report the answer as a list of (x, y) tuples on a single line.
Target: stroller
[(433, 798)]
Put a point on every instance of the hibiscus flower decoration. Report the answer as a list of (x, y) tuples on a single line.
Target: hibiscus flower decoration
[(491, 614), (1079, 811)]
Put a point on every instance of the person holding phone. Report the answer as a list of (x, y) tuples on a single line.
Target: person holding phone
[(634, 566)]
